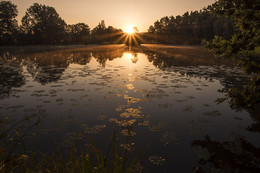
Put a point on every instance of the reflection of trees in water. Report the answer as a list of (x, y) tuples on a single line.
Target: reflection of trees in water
[(107, 54), (255, 127), (49, 66), (236, 155), (230, 156), (46, 67), (199, 63), (134, 59), (10, 73), (81, 58), (182, 57)]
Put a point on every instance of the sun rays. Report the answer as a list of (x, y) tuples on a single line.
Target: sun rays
[(130, 37), (129, 30)]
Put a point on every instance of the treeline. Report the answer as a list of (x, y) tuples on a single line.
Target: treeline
[(190, 28), (43, 25)]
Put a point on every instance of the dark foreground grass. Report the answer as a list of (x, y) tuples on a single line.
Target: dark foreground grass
[(92, 160)]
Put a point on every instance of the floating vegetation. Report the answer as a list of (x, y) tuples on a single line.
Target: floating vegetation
[(132, 100), (206, 105), (157, 160), (94, 129), (130, 86), (125, 123), (169, 137), (128, 147), (165, 105), (181, 100), (212, 113), (188, 109), (59, 100), (131, 112), (158, 127), (144, 123), (120, 107), (101, 117), (128, 132)]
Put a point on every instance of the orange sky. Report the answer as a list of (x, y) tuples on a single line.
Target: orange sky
[(117, 13)]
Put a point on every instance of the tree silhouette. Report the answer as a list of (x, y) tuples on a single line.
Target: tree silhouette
[(8, 23), (103, 34), (241, 47), (99, 29), (190, 28), (78, 33), (43, 25), (230, 156)]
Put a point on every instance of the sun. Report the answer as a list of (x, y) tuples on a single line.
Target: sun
[(129, 30)]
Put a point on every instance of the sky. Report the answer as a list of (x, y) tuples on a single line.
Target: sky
[(117, 13)]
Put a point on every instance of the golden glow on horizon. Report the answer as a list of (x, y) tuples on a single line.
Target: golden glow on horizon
[(116, 13), (129, 30)]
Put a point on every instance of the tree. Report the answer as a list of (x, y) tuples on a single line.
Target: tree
[(78, 33), (103, 34), (151, 29), (241, 47), (43, 25), (190, 28), (99, 29), (8, 23)]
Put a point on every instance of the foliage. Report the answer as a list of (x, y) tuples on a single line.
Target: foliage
[(99, 29), (92, 160), (237, 155), (190, 28), (78, 33), (248, 97), (8, 23), (103, 34), (43, 25), (241, 47)]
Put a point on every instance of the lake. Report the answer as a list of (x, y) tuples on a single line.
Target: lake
[(161, 99)]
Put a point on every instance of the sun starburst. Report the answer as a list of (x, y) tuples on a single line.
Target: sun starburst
[(129, 30)]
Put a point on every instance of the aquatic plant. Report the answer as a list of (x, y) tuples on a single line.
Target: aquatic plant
[(91, 160)]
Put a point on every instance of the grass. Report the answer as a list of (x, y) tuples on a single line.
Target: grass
[(92, 160), (257, 50)]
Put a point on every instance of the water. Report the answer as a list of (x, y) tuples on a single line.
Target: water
[(164, 96)]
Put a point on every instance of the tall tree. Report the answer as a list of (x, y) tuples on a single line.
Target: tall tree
[(8, 23), (241, 47), (43, 25), (99, 29), (103, 34)]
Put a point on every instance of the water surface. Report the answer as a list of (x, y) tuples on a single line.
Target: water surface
[(161, 95)]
